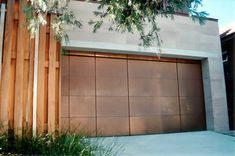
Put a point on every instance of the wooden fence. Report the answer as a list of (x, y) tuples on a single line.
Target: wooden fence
[(30, 82)]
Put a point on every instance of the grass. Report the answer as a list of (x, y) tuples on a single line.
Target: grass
[(64, 144)]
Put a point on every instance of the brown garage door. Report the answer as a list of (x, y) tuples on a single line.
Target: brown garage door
[(105, 94)]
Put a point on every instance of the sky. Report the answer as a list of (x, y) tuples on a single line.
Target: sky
[(223, 10)]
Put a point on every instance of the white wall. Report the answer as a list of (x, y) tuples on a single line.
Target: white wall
[(182, 38)]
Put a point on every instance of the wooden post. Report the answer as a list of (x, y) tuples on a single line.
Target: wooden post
[(6, 66), (41, 80), (20, 71), (52, 83)]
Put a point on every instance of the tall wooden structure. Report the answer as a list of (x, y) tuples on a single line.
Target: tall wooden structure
[(20, 84)]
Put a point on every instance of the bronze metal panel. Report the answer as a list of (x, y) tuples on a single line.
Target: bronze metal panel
[(169, 105), (192, 105), (141, 87), (64, 106), (110, 126), (82, 86), (65, 75), (165, 87), (189, 71), (83, 125), (153, 95), (64, 124), (145, 106), (192, 88), (140, 69), (154, 124), (82, 66), (164, 70), (138, 125), (146, 125), (82, 106), (111, 86), (111, 67), (193, 122), (112, 106), (171, 123), (139, 106)]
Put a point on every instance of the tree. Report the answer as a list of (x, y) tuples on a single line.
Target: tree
[(124, 15)]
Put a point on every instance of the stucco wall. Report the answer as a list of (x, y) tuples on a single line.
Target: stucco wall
[(182, 38)]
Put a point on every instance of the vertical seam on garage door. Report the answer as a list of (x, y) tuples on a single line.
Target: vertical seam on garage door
[(128, 92), (96, 117), (178, 86)]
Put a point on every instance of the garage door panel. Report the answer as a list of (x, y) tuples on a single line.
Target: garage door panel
[(112, 106), (83, 125), (64, 75), (192, 88), (140, 69), (153, 87), (82, 106), (139, 106), (82, 66), (82, 86), (116, 96), (164, 70), (192, 105), (165, 88), (189, 71), (192, 122), (142, 106), (64, 106), (141, 87), (107, 86), (171, 123), (169, 105), (64, 122), (111, 67), (110, 126), (154, 124), (139, 125)]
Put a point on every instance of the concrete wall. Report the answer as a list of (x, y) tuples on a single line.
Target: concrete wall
[(182, 38)]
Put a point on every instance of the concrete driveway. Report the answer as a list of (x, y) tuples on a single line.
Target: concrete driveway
[(205, 143)]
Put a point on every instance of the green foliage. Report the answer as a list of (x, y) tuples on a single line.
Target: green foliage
[(64, 144), (36, 11)]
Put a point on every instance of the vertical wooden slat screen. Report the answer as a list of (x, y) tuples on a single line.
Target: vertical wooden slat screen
[(17, 82)]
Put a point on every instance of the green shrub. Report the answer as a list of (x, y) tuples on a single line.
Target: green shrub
[(64, 144)]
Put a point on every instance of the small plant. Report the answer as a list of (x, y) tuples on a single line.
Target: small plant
[(64, 144)]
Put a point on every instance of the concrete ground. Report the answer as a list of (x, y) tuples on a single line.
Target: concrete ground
[(205, 143)]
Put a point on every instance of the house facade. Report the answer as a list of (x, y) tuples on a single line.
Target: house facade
[(112, 86)]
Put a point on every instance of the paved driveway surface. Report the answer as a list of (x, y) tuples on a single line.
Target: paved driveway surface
[(205, 143)]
